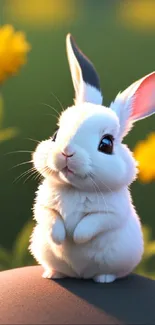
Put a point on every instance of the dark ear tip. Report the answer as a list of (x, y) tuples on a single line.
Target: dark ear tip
[(89, 73)]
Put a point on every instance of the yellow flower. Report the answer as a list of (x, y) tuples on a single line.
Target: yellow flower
[(144, 153), (138, 14), (13, 51)]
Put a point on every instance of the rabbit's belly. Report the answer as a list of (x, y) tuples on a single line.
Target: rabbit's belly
[(114, 252), (80, 258)]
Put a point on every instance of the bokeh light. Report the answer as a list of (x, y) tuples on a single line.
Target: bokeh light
[(41, 13)]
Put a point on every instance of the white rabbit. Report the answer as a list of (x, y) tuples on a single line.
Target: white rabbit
[(87, 226)]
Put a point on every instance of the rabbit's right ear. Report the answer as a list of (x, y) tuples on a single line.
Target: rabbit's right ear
[(85, 78), (135, 103)]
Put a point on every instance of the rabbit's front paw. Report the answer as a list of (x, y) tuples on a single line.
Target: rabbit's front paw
[(58, 232), (82, 234)]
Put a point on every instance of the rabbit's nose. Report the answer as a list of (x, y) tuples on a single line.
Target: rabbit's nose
[(67, 155), (67, 151)]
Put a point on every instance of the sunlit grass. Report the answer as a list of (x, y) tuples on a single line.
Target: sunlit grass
[(7, 133)]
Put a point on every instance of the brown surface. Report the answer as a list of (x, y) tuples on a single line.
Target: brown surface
[(27, 298)]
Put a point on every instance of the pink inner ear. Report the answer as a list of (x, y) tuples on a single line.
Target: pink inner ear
[(144, 98)]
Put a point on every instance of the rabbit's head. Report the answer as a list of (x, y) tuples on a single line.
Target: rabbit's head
[(86, 151)]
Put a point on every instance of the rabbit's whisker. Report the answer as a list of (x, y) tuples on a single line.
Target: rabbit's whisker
[(34, 173), (51, 115), (24, 174), (32, 140), (23, 163), (18, 151), (108, 188), (101, 195), (58, 100), (96, 193), (38, 176), (54, 109)]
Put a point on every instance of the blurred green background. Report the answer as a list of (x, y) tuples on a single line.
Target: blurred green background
[(119, 37)]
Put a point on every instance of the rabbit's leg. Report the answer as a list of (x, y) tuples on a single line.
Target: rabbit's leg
[(105, 278), (57, 232), (93, 224), (52, 221), (121, 252), (40, 248), (45, 252)]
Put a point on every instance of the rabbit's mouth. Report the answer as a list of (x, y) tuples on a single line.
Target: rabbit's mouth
[(66, 171), (69, 174)]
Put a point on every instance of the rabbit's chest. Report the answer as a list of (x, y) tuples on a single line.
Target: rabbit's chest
[(74, 209), (73, 206), (70, 206), (71, 211)]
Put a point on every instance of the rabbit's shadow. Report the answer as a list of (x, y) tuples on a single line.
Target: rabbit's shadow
[(130, 300)]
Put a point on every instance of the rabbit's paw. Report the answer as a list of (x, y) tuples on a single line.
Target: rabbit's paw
[(52, 274), (58, 233), (82, 234), (105, 278)]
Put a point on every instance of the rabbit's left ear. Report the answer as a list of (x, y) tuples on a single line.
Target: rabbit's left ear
[(85, 79), (135, 103)]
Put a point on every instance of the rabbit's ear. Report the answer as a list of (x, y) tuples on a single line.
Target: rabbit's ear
[(135, 103), (85, 79)]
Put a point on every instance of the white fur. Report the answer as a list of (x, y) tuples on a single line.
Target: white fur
[(89, 94), (86, 224)]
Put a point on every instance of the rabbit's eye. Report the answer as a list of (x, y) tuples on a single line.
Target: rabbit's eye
[(54, 135), (106, 144)]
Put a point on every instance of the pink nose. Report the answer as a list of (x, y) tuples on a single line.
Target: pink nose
[(64, 154)]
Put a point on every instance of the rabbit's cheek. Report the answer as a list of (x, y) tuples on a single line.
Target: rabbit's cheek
[(56, 161), (39, 161), (79, 167), (40, 155)]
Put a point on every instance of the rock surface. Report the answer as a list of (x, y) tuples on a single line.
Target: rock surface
[(27, 298)]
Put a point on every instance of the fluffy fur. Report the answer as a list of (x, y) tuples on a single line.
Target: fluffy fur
[(87, 226)]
